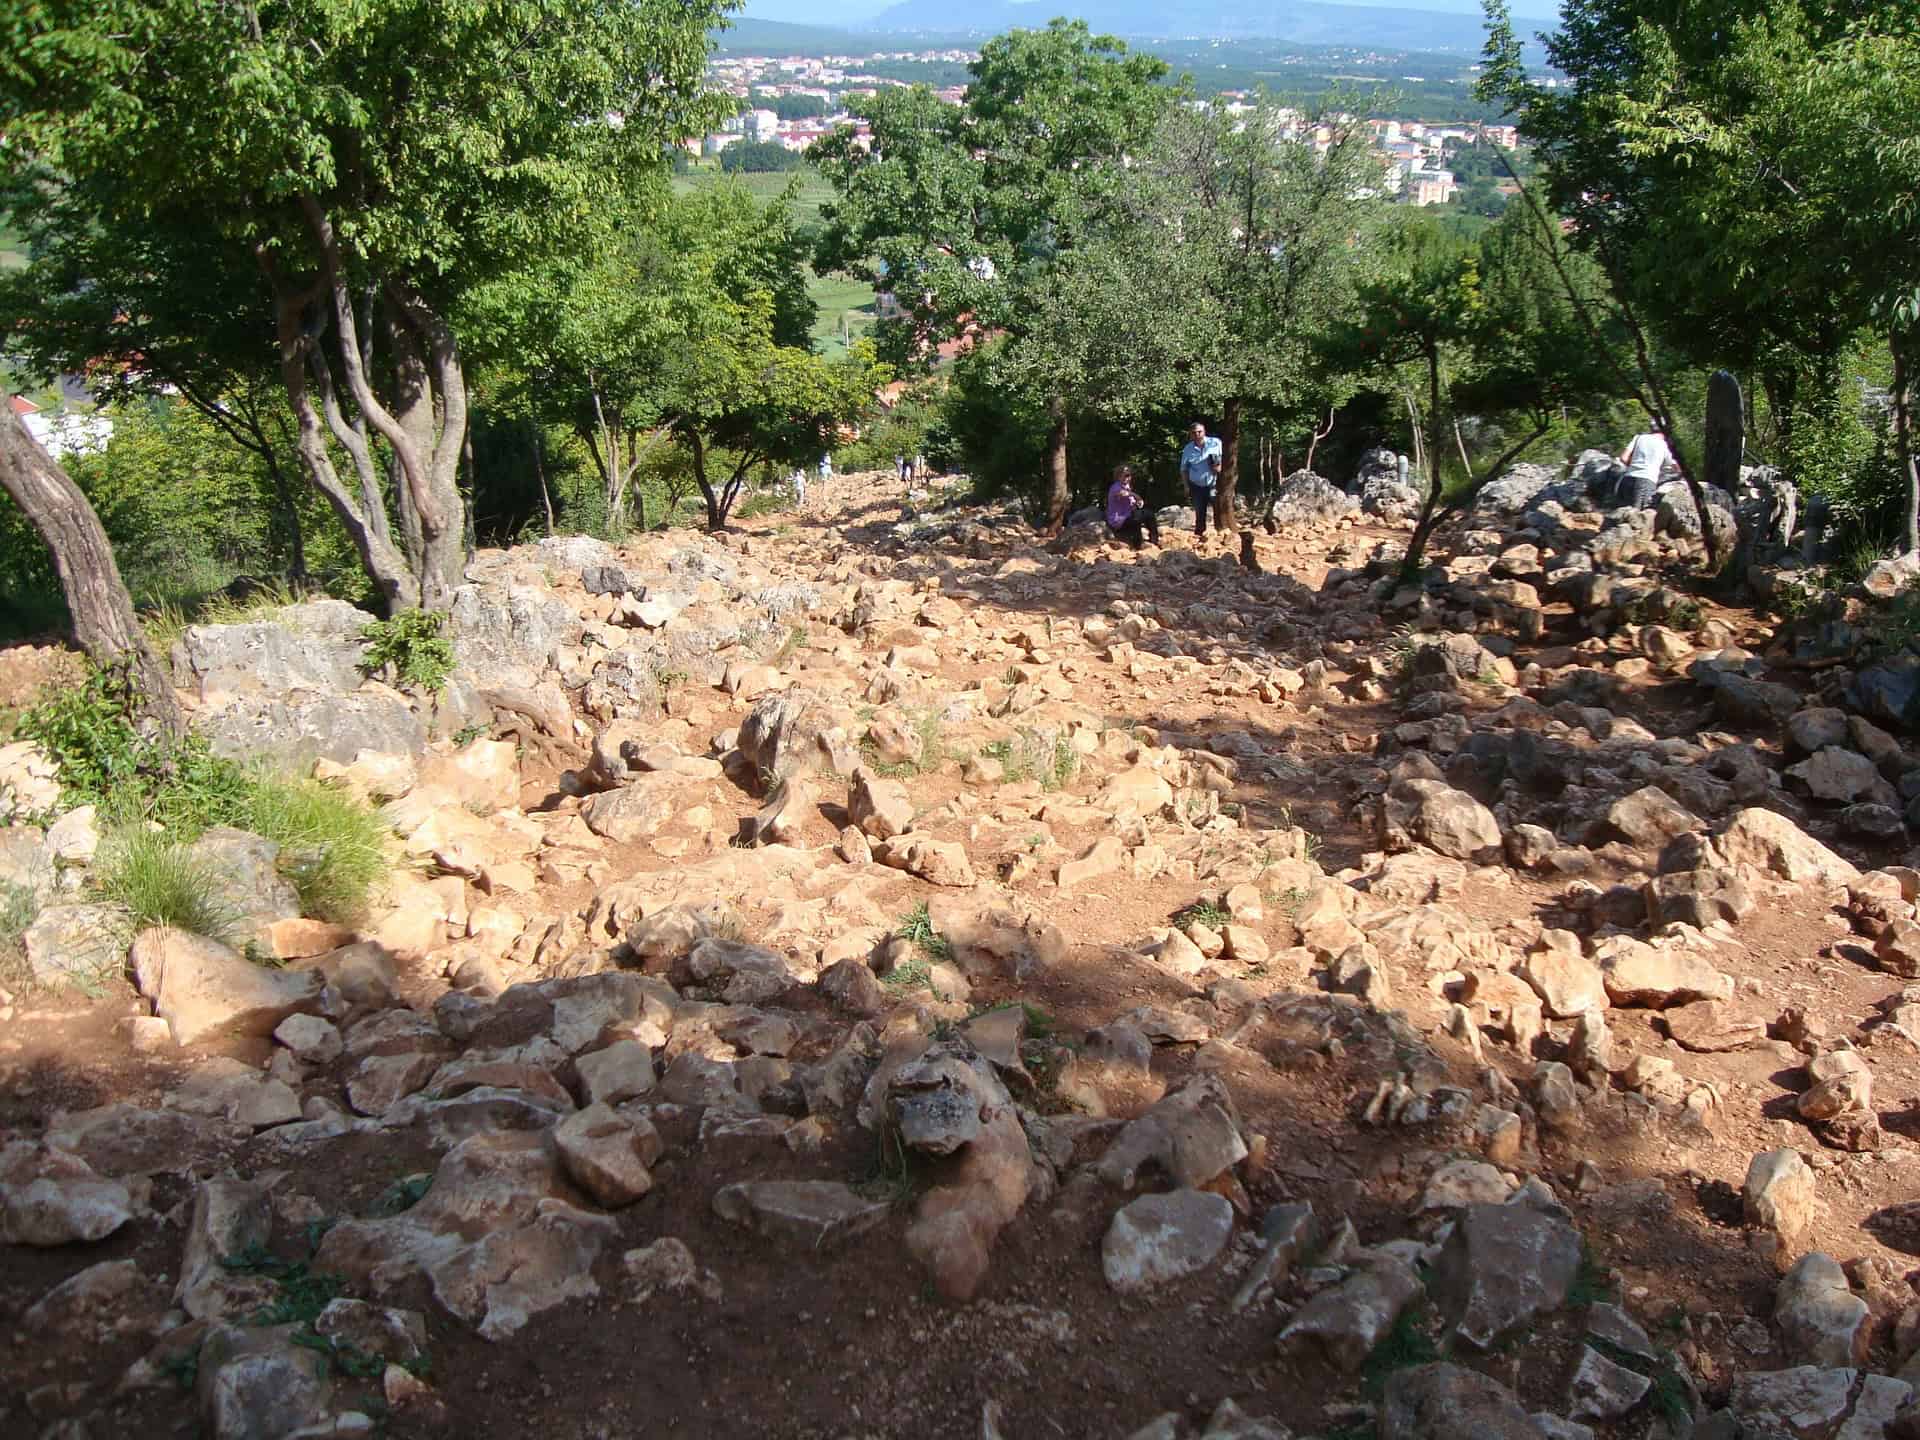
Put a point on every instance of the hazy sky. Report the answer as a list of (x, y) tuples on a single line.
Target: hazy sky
[(840, 12)]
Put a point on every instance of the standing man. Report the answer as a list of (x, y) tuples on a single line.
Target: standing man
[(1645, 457), (1200, 468)]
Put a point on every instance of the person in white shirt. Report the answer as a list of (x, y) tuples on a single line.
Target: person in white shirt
[(1646, 455)]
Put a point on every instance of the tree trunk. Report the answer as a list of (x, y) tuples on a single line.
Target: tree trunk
[(97, 599), (1726, 444), (1059, 493), (1229, 483), (1903, 440)]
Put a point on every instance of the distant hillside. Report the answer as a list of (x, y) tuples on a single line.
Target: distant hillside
[(747, 36), (1302, 22)]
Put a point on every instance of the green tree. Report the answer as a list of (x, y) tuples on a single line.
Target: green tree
[(760, 157), (966, 214), (1745, 174), (1485, 330), (692, 317), (356, 169)]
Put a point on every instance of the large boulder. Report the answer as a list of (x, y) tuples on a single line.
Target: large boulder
[(1434, 814), (1303, 498), (1501, 1266), (509, 635), (1450, 1402), (314, 646), (1775, 846), (203, 989), (291, 732)]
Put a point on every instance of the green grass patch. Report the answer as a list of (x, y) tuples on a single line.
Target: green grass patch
[(1590, 1284), (1407, 1344), (917, 926), (332, 847), (158, 880), (1202, 912), (19, 908), (1035, 755), (403, 1194)]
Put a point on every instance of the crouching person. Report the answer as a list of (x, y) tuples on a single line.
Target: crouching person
[(1127, 514)]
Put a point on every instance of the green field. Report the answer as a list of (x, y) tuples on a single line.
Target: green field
[(813, 189), (13, 248), (846, 311), (846, 306)]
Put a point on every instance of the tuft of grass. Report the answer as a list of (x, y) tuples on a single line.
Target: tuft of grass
[(332, 847), (1407, 1344), (917, 926), (302, 1293), (403, 1194), (19, 908), (1669, 1396), (930, 726), (1202, 912), (1033, 755), (1590, 1285), (160, 881)]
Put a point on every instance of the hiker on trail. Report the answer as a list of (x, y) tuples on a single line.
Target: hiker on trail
[(1646, 455), (1127, 513), (1200, 468), (900, 468), (798, 480), (906, 469)]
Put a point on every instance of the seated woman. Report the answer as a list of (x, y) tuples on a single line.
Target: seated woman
[(1127, 513)]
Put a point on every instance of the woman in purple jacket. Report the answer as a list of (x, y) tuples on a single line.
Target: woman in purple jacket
[(1127, 513)]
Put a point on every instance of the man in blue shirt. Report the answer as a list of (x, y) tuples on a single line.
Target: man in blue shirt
[(1200, 468)]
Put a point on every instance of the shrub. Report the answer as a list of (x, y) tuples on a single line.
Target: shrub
[(19, 907), (159, 881), (332, 847), (88, 731), (411, 647)]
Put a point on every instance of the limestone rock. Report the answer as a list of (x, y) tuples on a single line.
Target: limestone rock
[(1567, 983), (1642, 975), (1348, 1320), (881, 808), (1773, 844), (938, 862), (1821, 1321), (75, 945), (1450, 1402), (1840, 775), (1602, 1389), (1432, 813), (1161, 1238), (253, 1384), (815, 1214), (607, 1153), (1697, 898), (632, 812), (202, 989), (1794, 1404), (49, 1197), (1501, 1266), (1778, 1195), (1711, 1026), (1650, 817)]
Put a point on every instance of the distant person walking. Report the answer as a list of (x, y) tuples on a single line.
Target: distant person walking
[(1127, 513), (1200, 468), (1646, 455), (798, 480), (906, 470), (900, 468)]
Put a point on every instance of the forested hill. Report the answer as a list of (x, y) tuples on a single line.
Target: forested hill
[(1300, 21)]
